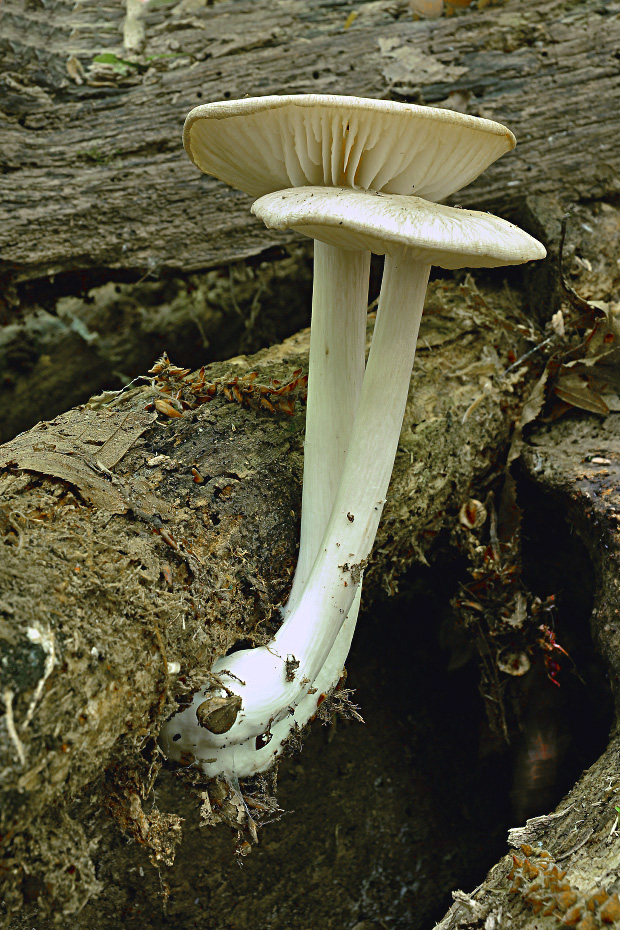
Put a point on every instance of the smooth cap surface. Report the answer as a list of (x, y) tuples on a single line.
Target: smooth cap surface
[(385, 223), (263, 144)]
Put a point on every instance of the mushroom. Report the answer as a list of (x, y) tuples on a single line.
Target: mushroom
[(264, 144), (259, 145), (413, 234)]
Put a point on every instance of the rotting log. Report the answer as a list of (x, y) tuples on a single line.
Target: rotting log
[(131, 546), (128, 553), (93, 173), (96, 192), (65, 349), (574, 463), (164, 539), (89, 637)]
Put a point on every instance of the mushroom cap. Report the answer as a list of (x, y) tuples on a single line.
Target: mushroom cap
[(264, 144), (385, 223)]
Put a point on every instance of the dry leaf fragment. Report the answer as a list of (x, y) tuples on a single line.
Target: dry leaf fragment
[(75, 70), (587, 923), (162, 406), (427, 9), (610, 911), (575, 390)]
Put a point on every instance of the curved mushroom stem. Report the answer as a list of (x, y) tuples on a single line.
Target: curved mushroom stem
[(311, 628), (336, 371), (261, 676)]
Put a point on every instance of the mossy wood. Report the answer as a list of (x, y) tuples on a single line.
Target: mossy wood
[(135, 540), (164, 539)]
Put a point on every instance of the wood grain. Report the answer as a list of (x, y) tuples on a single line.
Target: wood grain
[(95, 176)]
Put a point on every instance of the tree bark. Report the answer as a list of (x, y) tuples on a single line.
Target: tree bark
[(94, 176), (102, 216)]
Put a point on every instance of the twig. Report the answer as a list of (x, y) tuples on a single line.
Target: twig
[(8, 696), (47, 642), (536, 348)]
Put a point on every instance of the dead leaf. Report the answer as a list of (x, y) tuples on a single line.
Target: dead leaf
[(91, 486), (575, 391), (427, 9), (162, 406), (75, 70), (80, 447), (530, 410)]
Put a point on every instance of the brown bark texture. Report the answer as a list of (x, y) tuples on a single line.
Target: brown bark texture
[(97, 195), (93, 174), (160, 538)]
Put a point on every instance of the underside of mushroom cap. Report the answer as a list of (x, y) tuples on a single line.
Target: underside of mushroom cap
[(262, 144), (384, 223)]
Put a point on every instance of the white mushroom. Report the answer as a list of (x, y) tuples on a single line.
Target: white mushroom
[(263, 144), (413, 234), (391, 224)]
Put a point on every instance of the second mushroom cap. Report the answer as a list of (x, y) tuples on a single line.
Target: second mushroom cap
[(449, 237)]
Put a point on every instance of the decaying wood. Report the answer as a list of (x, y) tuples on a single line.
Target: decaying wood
[(575, 462), (94, 175), (64, 349), (95, 184), (163, 541)]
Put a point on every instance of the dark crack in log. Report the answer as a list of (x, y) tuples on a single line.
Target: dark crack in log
[(576, 462)]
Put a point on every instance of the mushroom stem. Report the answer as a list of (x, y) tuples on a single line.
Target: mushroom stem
[(272, 698), (311, 628), (336, 372)]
